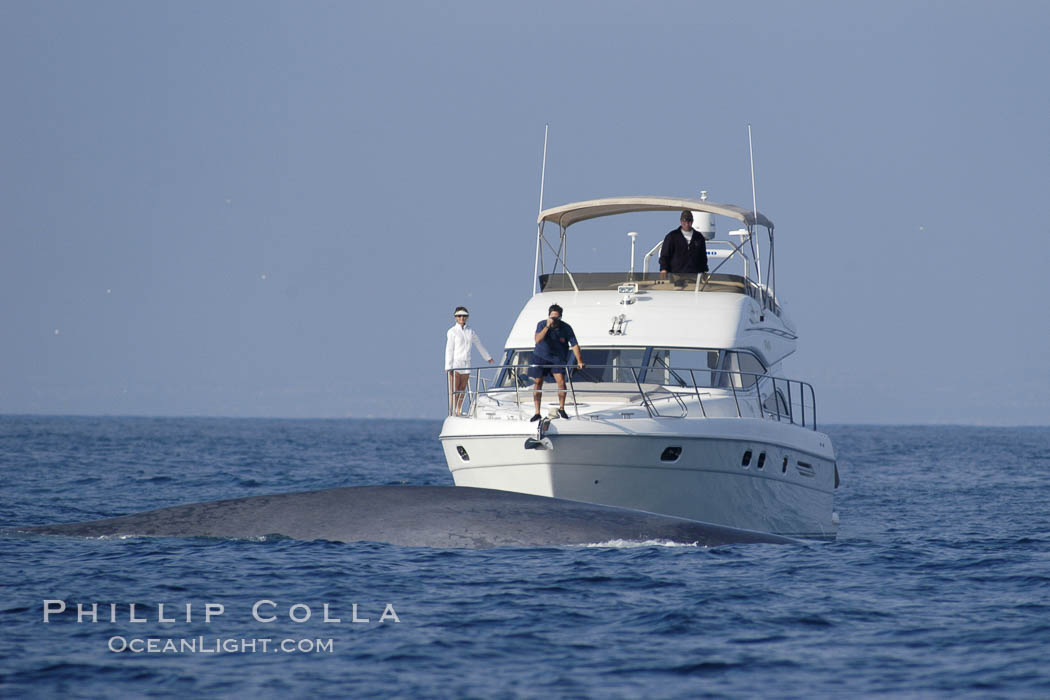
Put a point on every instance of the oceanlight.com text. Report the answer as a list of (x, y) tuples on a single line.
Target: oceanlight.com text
[(218, 645)]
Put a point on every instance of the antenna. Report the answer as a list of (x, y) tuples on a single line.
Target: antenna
[(543, 168), (754, 204), (539, 228)]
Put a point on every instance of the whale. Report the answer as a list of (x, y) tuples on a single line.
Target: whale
[(455, 517)]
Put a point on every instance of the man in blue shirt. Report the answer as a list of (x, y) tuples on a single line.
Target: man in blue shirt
[(554, 339)]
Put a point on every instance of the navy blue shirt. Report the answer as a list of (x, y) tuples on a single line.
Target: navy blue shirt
[(554, 348), (679, 256)]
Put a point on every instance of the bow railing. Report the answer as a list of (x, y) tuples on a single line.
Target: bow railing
[(684, 392)]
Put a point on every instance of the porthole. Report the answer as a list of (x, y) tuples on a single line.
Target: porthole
[(462, 453), (746, 461), (671, 454), (784, 466), (761, 460)]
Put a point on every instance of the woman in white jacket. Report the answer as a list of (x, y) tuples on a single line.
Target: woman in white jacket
[(457, 357)]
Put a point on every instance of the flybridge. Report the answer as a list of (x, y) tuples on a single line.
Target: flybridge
[(747, 249)]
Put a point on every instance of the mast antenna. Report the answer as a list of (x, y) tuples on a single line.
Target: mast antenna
[(754, 204), (756, 247), (543, 168), (539, 227)]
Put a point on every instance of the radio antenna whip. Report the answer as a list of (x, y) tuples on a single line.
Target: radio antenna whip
[(756, 248), (543, 168), (754, 205), (539, 226)]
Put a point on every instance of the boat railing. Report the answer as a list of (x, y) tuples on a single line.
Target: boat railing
[(655, 282), (774, 398)]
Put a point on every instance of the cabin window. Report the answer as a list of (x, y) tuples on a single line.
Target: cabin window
[(517, 370), (746, 461), (682, 367), (603, 365), (775, 404), (609, 365), (742, 369)]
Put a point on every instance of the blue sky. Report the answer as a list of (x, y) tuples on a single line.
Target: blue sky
[(270, 209)]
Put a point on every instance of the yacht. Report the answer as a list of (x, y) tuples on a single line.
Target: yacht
[(681, 408)]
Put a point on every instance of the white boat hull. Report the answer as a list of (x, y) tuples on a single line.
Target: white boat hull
[(623, 463)]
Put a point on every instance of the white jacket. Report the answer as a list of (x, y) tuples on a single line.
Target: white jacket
[(457, 347)]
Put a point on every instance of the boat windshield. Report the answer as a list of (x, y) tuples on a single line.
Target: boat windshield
[(602, 365), (682, 367), (610, 365), (685, 367), (709, 368)]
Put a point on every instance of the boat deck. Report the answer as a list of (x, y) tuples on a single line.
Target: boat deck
[(646, 281)]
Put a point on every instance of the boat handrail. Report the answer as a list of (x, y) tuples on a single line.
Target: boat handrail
[(718, 249), (797, 406), (726, 251)]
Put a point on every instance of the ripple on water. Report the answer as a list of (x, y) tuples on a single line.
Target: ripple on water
[(934, 588)]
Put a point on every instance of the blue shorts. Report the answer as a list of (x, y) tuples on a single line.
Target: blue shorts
[(540, 371)]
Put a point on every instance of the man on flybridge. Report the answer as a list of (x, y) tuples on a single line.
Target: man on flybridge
[(684, 249)]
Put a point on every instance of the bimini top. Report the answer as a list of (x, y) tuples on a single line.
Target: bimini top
[(568, 214)]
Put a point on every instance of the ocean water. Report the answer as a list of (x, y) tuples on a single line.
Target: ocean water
[(938, 585)]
